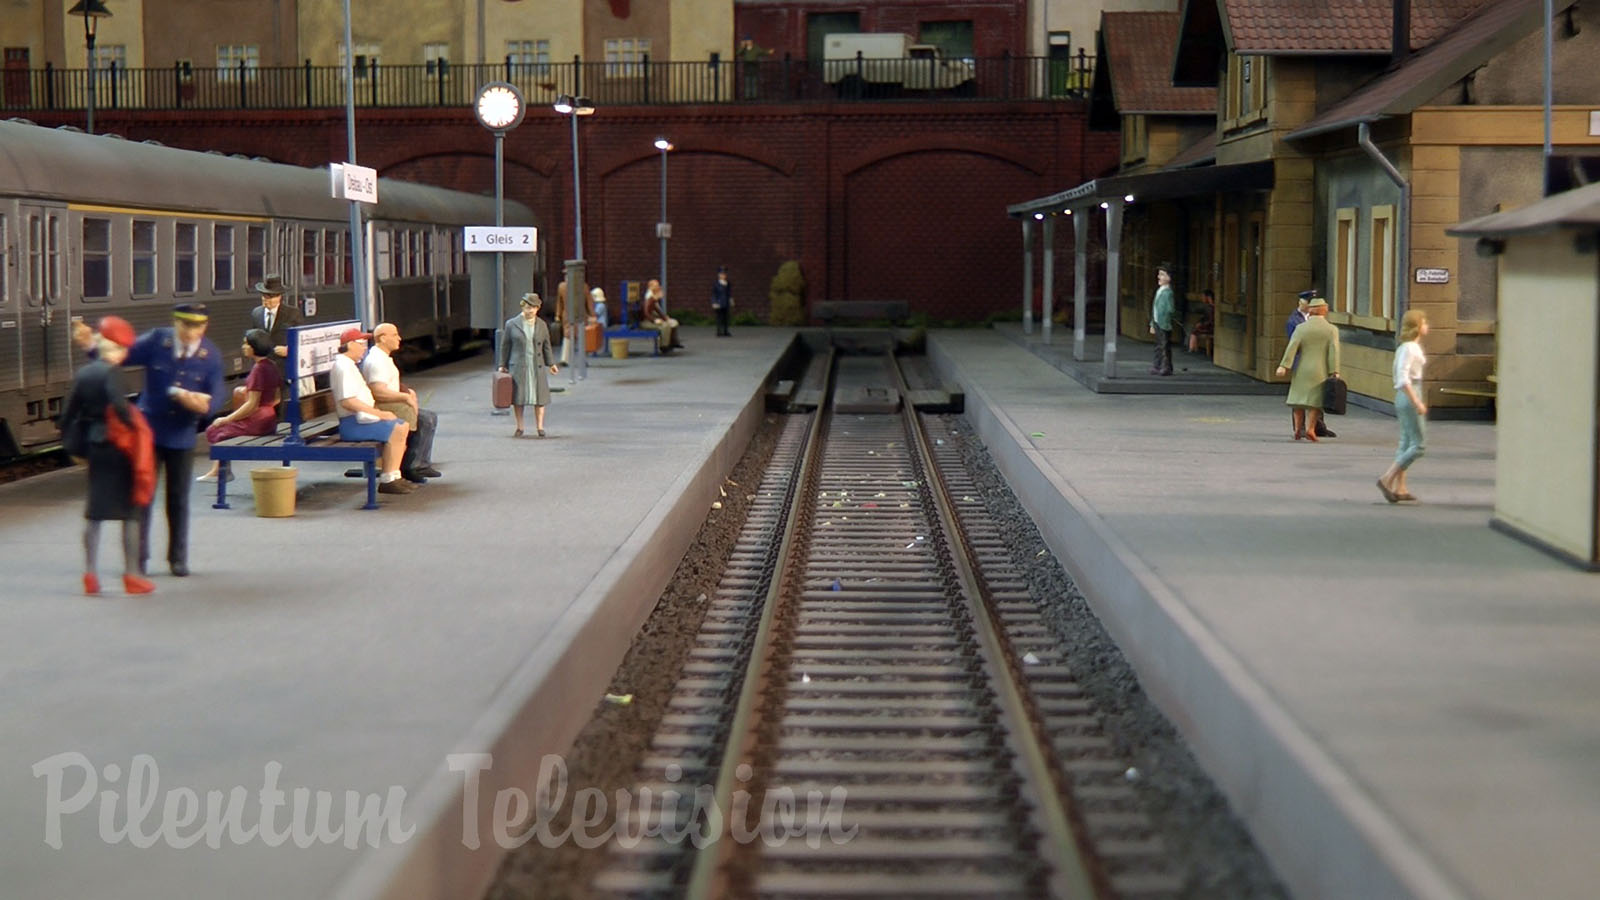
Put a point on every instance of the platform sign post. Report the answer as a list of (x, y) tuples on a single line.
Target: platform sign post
[(312, 349)]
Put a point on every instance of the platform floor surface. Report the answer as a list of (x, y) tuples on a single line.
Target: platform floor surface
[(350, 648), (1442, 676)]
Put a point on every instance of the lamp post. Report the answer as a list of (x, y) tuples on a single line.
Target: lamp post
[(91, 11), (499, 108), (663, 230), (573, 107)]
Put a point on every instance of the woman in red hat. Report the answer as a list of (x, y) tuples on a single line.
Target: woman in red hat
[(101, 425)]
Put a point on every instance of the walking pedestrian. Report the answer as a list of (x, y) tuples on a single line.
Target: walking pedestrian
[(1162, 311), (722, 300), (1296, 319), (525, 353), (1409, 409), (1314, 354), (99, 424)]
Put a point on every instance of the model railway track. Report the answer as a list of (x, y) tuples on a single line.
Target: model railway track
[(874, 706)]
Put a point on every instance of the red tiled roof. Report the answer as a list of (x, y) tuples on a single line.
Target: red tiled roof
[(1139, 48), (1337, 26)]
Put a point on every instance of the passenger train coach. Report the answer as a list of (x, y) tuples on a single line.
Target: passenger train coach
[(94, 225)]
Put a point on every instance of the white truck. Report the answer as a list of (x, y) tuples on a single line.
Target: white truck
[(857, 62)]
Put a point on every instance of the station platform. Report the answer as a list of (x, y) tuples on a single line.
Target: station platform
[(1398, 701), (350, 650)]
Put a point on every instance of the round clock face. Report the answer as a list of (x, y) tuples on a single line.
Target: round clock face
[(499, 107)]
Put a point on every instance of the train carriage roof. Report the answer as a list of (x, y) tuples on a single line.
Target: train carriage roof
[(70, 166)]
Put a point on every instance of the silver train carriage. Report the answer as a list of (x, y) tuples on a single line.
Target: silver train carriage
[(95, 225)]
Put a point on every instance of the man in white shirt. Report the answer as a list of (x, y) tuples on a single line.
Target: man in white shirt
[(359, 417), (383, 378)]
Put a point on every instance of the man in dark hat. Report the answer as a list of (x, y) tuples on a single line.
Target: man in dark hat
[(273, 316), (1297, 318), (182, 389)]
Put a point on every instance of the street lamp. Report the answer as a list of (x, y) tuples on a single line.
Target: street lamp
[(573, 107), (663, 230), (92, 11), (499, 108)]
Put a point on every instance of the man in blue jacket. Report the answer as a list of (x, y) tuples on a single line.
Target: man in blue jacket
[(182, 391)]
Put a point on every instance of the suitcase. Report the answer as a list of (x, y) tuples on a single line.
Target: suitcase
[(593, 336), (502, 390), (1335, 394)]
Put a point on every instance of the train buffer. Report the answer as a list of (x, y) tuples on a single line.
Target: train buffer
[(308, 431)]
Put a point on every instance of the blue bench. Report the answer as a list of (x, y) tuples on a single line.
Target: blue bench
[(311, 352), (629, 324)]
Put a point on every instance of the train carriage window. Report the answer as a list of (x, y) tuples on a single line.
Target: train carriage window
[(310, 241), (427, 253), (96, 258), (222, 259), (330, 256), (35, 259), (53, 263), (144, 258), (458, 261), (385, 256), (402, 253), (255, 265), (349, 265), (5, 295), (416, 253), (185, 264)]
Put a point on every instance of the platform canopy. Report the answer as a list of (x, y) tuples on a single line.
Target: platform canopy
[(1166, 184)]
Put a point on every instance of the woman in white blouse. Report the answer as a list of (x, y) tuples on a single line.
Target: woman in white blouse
[(1408, 405)]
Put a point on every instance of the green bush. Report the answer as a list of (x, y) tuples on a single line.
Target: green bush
[(787, 296)]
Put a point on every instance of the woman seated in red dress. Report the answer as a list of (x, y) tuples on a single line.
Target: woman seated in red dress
[(256, 401)]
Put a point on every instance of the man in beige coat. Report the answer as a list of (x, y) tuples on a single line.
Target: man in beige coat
[(1316, 342)]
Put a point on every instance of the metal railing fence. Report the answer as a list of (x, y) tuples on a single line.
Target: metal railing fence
[(643, 83)]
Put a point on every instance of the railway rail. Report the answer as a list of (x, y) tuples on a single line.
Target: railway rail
[(874, 705)]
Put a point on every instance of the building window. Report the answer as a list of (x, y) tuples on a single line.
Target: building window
[(255, 266), (109, 58), (222, 259), (310, 241), (185, 271), (1246, 98), (625, 57), (144, 258), (1135, 139), (1381, 288), (1343, 271), (230, 58), (954, 39), (436, 57), (96, 258), (366, 59), (530, 57)]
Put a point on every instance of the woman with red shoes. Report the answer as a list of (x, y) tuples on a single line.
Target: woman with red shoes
[(100, 425)]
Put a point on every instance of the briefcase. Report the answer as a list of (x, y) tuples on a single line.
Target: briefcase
[(593, 335), (1334, 393), (502, 390)]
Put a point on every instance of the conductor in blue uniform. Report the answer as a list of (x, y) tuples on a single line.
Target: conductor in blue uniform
[(182, 390)]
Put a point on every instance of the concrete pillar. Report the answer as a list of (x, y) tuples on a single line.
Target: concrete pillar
[(1027, 274), (1113, 289), (1049, 275), (1080, 282)]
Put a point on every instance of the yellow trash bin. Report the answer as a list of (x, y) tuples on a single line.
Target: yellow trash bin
[(274, 491), (619, 348)]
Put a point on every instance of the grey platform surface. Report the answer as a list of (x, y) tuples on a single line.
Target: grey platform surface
[(1398, 700), (356, 649)]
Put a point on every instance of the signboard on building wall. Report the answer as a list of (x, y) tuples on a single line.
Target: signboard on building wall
[(1433, 276)]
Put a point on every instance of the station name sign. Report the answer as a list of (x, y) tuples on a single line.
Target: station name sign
[(353, 182), (500, 239)]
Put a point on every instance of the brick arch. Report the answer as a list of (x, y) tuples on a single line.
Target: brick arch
[(930, 227), (1037, 162), (751, 154)]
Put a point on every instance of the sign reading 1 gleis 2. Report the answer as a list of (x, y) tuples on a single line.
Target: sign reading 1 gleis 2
[(501, 239)]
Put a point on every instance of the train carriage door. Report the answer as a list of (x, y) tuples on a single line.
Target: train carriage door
[(286, 258), (10, 330), (44, 315)]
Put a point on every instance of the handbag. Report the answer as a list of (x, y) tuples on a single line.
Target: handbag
[(1334, 395)]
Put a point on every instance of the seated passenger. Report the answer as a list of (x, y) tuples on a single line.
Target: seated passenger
[(653, 316), (383, 378), (255, 402), (360, 419)]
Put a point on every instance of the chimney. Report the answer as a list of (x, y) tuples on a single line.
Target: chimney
[(1401, 48)]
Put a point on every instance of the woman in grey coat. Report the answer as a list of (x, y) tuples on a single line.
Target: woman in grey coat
[(525, 353)]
